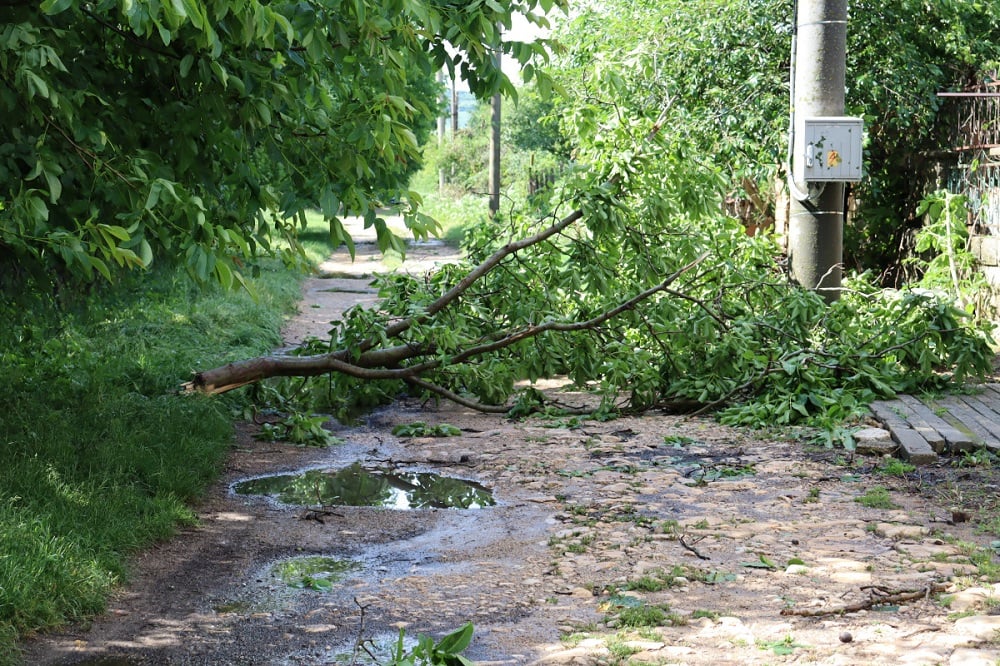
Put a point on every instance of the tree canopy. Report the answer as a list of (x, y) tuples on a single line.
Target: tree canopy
[(203, 130), (724, 69)]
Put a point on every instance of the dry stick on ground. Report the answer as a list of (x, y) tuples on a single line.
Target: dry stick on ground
[(878, 597), (692, 549)]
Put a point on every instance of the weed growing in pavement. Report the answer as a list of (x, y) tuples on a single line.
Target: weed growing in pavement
[(619, 649), (978, 458), (896, 467), (647, 584), (990, 525), (953, 617), (983, 558), (785, 646), (876, 497), (643, 616)]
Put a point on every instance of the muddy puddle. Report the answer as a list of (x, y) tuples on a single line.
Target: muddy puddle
[(357, 485)]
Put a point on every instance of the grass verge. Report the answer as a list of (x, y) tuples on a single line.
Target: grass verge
[(98, 455)]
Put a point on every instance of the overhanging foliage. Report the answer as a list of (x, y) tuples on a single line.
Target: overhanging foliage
[(203, 130)]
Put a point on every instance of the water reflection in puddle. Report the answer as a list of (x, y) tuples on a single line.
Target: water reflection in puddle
[(358, 486), (316, 572)]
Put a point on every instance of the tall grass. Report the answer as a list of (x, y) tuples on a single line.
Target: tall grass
[(98, 454)]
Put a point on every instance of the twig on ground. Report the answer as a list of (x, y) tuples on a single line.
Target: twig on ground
[(318, 515), (359, 643), (878, 596), (691, 548)]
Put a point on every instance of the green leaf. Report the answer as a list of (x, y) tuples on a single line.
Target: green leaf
[(185, 66), (36, 85), (220, 73), (330, 205), (194, 12), (52, 7), (55, 185), (37, 208), (224, 274), (165, 35), (118, 232), (456, 641), (145, 253), (101, 267), (763, 563), (154, 195)]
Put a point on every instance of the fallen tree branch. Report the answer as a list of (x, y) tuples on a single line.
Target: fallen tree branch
[(234, 375), (456, 398), (878, 596), (377, 364)]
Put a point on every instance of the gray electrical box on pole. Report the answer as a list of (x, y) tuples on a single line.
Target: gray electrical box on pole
[(832, 150), (825, 146)]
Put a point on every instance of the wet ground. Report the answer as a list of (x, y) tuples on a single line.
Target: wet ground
[(645, 540)]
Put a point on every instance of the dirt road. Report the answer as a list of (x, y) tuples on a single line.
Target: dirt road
[(642, 540)]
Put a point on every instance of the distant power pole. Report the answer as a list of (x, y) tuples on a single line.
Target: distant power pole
[(443, 118), (454, 106), (442, 128), (816, 215), (495, 147)]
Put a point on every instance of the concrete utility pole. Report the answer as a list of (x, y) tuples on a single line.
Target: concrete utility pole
[(816, 215), (443, 118), (454, 106), (442, 128), (495, 148)]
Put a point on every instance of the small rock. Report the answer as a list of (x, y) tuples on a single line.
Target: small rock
[(872, 435), (973, 657), (846, 637), (874, 441), (959, 516), (897, 532), (796, 569), (969, 599), (978, 627)]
